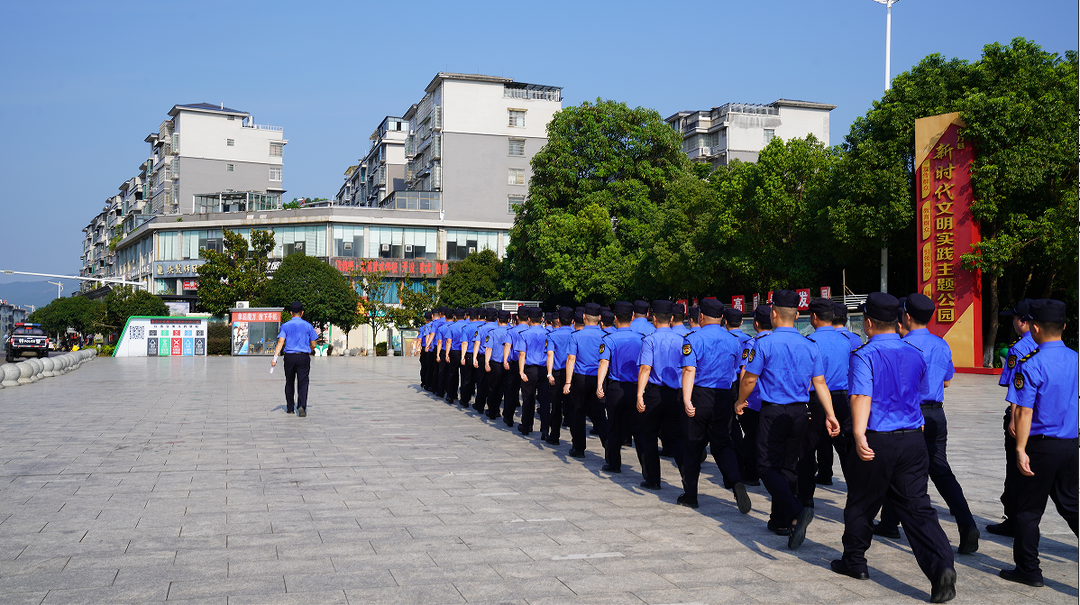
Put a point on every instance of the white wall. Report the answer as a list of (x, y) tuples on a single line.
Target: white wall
[(797, 122), (204, 135), (481, 108)]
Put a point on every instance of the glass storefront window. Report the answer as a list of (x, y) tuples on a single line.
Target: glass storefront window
[(460, 244), (349, 240)]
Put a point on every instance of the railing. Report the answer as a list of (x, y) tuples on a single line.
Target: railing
[(264, 127), (436, 117), (413, 200)]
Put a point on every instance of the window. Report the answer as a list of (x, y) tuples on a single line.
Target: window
[(231, 118), (517, 118), (513, 201), (230, 142), (517, 147), (769, 135), (275, 174), (228, 167), (516, 177), (276, 149), (460, 244)]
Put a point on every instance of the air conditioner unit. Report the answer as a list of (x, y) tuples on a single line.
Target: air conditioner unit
[(298, 246), (346, 246), (408, 247), (385, 248), (242, 304), (472, 249)]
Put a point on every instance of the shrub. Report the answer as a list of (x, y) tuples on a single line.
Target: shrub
[(218, 339), (380, 349)]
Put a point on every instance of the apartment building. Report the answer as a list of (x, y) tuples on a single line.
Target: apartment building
[(739, 131)]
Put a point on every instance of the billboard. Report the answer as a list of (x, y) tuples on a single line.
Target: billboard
[(946, 230), (162, 337)]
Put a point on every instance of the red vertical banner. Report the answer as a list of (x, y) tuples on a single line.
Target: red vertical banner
[(738, 302), (826, 292), (804, 298), (757, 300), (946, 231)]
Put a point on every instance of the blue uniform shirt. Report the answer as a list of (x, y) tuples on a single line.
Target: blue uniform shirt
[(938, 357), (558, 343), (855, 339), (642, 326), (714, 353), (533, 343), (621, 349), (835, 349), (754, 399), (453, 334), (1017, 351), (434, 330), (298, 335), (481, 334), (785, 363), (680, 329), (662, 351), (742, 336), (890, 371), (1046, 382), (494, 341), (513, 336), (585, 346)]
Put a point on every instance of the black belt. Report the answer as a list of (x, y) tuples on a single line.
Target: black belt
[(1049, 438), (838, 392), (899, 432), (765, 403), (931, 405)]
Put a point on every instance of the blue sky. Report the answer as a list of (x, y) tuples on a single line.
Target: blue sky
[(84, 82)]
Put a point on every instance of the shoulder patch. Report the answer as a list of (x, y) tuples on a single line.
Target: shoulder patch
[(1015, 341), (686, 350), (1018, 380), (1028, 356), (1011, 362), (745, 353), (750, 357), (811, 339), (861, 346), (601, 348)]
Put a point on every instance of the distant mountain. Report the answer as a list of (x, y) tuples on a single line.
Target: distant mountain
[(38, 294)]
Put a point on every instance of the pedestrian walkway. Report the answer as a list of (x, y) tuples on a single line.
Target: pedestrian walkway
[(183, 480)]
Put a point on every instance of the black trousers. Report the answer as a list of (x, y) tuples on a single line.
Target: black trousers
[(710, 425), (620, 399), (468, 379), (1054, 462), (780, 438), (1012, 474), (297, 369), (737, 435), (443, 375), (749, 421), (897, 474), (496, 385), (423, 368), (559, 403), (511, 392), (534, 392), (936, 434), (663, 418), (480, 377), (583, 397), (453, 374), (842, 442)]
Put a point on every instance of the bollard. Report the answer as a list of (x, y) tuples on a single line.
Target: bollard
[(66, 363), (47, 365), (9, 373), (26, 373), (36, 364)]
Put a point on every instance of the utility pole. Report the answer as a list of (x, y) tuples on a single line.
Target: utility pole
[(888, 84)]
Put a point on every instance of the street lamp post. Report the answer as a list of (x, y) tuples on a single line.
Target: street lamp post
[(888, 83)]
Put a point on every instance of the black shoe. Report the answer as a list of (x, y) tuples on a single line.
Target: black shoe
[(798, 529), (823, 481), (551, 441), (742, 499), (492, 416), (464, 403), (687, 501), (808, 503), (1005, 528), (664, 454), (969, 540), (944, 587), (576, 453), (1014, 576), (478, 409), (778, 530), (752, 482), (523, 430), (648, 485), (288, 410), (302, 413), (887, 531), (509, 423), (593, 431), (838, 566), (611, 468)]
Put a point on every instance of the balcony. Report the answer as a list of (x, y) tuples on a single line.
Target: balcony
[(413, 200), (263, 127), (436, 117)]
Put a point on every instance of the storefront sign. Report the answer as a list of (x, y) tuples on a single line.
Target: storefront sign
[(186, 268), (392, 267), (274, 316)]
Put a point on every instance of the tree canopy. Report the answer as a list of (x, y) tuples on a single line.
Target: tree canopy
[(237, 273), (327, 295), (123, 302), (472, 281), (76, 312)]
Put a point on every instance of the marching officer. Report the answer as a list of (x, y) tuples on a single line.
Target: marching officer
[(659, 406), (1044, 391), (710, 356), (1018, 350), (531, 367), (678, 317), (442, 353), (888, 459), (512, 392), (495, 363), (750, 417), (641, 323), (558, 342), (617, 376), (480, 358), (422, 338), (468, 335), (787, 363), (582, 363)]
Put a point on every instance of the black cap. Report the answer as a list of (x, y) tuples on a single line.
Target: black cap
[(663, 307), (641, 307), (880, 306), (1021, 310), (712, 307), (919, 307), (504, 315), (427, 314), (607, 317), (821, 306), (678, 309), (566, 315), (1047, 310), (695, 314), (839, 311), (592, 309), (536, 313), (459, 313), (491, 314), (579, 310), (579, 317), (733, 317), (900, 310), (786, 298), (296, 307), (621, 307), (763, 315)]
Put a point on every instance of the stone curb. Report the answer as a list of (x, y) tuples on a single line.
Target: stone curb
[(33, 370)]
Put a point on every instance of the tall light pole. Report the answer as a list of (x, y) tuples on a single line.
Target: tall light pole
[(888, 83)]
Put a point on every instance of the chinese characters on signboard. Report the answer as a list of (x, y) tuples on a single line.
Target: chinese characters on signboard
[(392, 267)]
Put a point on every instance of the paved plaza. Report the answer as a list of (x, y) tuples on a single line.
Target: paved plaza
[(182, 480)]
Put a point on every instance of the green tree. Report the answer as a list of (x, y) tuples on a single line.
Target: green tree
[(123, 302), (374, 310), (415, 301), (76, 312), (472, 281), (595, 192), (238, 273), (326, 294)]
